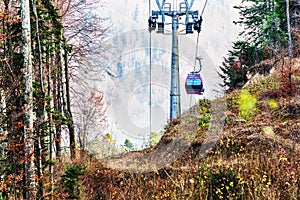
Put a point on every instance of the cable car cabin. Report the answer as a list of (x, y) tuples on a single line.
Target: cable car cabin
[(194, 83)]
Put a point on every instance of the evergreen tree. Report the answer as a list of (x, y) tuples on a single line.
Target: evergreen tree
[(264, 22), (235, 67), (128, 144), (266, 35)]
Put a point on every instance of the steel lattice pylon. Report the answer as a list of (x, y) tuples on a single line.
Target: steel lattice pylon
[(184, 10)]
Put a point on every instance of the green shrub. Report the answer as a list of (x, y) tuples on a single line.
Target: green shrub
[(205, 116), (70, 180), (272, 104), (203, 121), (247, 105), (222, 183)]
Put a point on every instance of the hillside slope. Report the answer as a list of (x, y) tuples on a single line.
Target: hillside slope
[(256, 156)]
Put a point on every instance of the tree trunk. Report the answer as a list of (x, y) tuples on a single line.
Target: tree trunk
[(289, 44), (289, 28), (52, 129), (43, 116), (68, 104), (56, 94), (29, 166)]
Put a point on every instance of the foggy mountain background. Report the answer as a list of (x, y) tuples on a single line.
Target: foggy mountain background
[(127, 94)]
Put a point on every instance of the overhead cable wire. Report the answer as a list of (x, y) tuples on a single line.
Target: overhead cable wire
[(197, 44), (150, 75)]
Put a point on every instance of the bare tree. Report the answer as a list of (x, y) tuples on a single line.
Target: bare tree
[(85, 31), (89, 115)]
